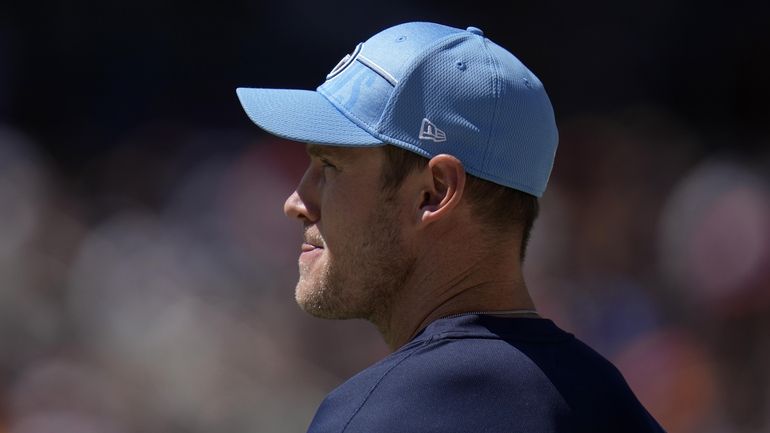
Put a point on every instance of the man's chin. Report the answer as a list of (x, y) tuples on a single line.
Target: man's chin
[(315, 301)]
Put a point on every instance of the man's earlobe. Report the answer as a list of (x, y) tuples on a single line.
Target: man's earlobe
[(444, 189)]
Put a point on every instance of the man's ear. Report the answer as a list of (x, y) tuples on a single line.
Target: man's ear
[(444, 188)]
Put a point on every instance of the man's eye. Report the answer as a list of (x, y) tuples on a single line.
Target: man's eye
[(325, 164)]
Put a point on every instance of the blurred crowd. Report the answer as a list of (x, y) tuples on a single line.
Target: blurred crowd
[(147, 270), (158, 297)]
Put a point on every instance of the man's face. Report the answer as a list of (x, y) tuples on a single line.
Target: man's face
[(353, 258)]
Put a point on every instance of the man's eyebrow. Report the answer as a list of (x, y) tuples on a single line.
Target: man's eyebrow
[(314, 150), (319, 151)]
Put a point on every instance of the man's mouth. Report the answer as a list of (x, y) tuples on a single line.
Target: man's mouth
[(311, 240), (309, 247)]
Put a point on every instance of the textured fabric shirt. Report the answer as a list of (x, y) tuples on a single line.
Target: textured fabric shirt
[(481, 373)]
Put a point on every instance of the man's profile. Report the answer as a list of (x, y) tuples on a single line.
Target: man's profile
[(429, 147)]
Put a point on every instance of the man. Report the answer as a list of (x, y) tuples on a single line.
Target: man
[(429, 147)]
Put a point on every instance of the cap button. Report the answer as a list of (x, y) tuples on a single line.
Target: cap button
[(475, 31)]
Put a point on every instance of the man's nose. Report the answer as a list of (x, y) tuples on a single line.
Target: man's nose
[(301, 203), (295, 207)]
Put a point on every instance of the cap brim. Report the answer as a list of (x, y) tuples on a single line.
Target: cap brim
[(302, 115)]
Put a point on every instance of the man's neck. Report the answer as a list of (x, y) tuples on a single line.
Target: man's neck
[(469, 287)]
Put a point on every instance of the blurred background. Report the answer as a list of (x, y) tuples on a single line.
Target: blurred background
[(147, 270)]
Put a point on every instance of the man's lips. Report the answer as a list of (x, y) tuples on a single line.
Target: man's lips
[(309, 247)]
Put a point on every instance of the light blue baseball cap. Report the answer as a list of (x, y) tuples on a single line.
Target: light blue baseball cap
[(431, 89)]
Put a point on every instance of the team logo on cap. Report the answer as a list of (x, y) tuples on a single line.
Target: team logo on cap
[(345, 62), (429, 131)]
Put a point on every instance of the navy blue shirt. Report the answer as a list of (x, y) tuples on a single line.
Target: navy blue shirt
[(481, 373)]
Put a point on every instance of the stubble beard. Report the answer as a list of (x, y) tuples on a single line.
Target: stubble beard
[(360, 284)]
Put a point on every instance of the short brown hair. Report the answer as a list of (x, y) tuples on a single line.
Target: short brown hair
[(500, 208)]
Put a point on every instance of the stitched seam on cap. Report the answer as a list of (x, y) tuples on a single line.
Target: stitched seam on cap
[(497, 96)]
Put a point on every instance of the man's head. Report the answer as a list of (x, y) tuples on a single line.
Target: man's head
[(371, 215), (418, 132)]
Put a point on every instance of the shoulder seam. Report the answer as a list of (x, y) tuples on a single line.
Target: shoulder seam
[(454, 335), (374, 387)]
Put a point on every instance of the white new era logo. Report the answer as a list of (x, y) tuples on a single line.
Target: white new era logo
[(429, 131)]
